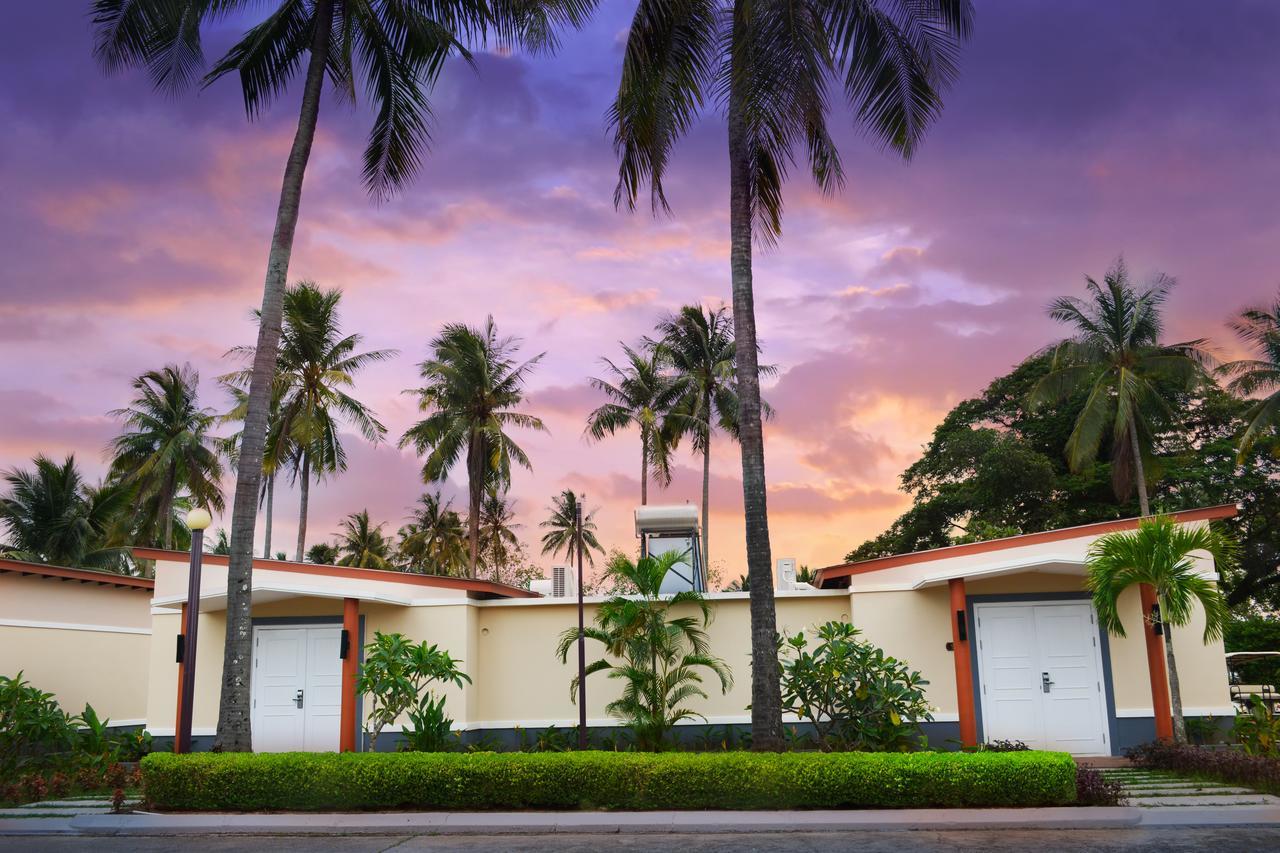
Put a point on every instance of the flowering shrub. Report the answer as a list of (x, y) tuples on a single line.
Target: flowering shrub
[(1223, 765), (1094, 789)]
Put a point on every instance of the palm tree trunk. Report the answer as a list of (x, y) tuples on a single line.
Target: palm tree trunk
[(271, 500), (706, 496), (1175, 691), (1139, 474), (644, 468), (766, 694), (234, 734), (166, 506), (305, 492), (475, 482)]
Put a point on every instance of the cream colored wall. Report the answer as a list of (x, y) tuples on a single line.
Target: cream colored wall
[(84, 643), (915, 627), (162, 693)]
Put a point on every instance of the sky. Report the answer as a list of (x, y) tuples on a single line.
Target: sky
[(134, 230)]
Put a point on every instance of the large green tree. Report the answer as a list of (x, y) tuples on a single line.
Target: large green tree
[(472, 384), (640, 394), (434, 541), (1259, 329), (362, 544), (51, 515), (772, 65), (499, 542), (393, 52), (167, 449), (1131, 375)]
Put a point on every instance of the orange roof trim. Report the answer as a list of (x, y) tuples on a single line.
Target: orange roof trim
[(20, 567), (483, 587), (1097, 528)]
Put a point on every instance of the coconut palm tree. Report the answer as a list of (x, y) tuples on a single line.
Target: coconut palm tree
[(278, 453), (394, 52), (361, 544), (657, 655), (167, 447), (1259, 327), (316, 367), (640, 394), (770, 65), (323, 554), (1161, 553), (435, 540), (1117, 354), (498, 539), (52, 516), (562, 528), (471, 386)]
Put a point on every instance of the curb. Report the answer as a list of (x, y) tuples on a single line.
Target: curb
[(604, 823)]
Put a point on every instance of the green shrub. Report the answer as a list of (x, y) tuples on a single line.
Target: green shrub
[(395, 674), (602, 780), (33, 728)]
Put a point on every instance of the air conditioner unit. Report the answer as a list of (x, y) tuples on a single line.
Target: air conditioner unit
[(561, 584), (786, 574)]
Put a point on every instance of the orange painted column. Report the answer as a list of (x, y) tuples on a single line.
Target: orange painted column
[(350, 672), (1160, 703), (177, 714), (964, 664)]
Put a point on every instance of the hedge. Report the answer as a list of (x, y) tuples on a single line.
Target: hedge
[(604, 780)]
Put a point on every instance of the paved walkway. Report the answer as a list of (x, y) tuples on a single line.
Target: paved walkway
[(1164, 789)]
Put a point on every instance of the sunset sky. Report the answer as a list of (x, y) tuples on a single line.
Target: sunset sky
[(134, 231)]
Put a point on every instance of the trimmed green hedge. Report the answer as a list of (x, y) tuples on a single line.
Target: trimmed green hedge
[(604, 780)]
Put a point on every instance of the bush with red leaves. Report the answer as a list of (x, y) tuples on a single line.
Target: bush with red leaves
[(1223, 765)]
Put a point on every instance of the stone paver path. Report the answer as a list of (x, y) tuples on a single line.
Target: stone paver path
[(1161, 788), (64, 808)]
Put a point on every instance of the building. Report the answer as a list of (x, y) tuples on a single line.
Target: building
[(1003, 631)]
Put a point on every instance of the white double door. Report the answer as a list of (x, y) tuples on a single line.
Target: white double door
[(297, 689), (1041, 675)]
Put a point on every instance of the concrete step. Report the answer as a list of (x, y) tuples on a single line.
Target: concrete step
[(1208, 800)]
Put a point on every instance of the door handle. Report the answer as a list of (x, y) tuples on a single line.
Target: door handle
[(1045, 682), (298, 697)]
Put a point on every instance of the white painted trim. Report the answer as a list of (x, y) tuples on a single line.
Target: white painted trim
[(196, 731), (72, 626), (1221, 711), (610, 722), (111, 724)]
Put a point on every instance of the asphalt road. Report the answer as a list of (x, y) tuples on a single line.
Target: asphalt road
[(1172, 840)]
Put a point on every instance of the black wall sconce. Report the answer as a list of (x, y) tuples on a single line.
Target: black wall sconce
[(344, 648), (962, 627), (182, 647)]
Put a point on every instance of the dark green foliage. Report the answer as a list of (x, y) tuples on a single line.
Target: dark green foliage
[(1257, 730), (604, 780), (854, 695), (1255, 634), (395, 675)]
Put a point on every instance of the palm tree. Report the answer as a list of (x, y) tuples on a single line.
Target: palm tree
[(1160, 553), (317, 365), (398, 51), (278, 452), (1258, 327), (656, 655), (52, 516), (167, 446), (640, 395), (471, 386), (435, 540), (360, 543), (497, 531), (562, 528), (1117, 355), (770, 65), (698, 344), (321, 553)]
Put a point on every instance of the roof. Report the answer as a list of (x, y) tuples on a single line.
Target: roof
[(482, 588), (825, 577), (111, 579)]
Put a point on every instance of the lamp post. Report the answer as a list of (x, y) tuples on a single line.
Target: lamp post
[(197, 520), (582, 639)]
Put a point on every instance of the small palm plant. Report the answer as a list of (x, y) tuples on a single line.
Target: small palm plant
[(659, 657), (1161, 553)]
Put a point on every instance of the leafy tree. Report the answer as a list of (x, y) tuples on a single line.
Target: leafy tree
[(1118, 356), (435, 540), (1159, 553), (770, 66), (471, 386), (562, 529), (657, 655), (1259, 327), (52, 516), (396, 674), (394, 52), (167, 448), (221, 544), (360, 543), (278, 453), (498, 540), (321, 553), (1255, 633), (640, 394)]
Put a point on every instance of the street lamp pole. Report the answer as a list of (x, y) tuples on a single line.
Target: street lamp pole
[(197, 520), (582, 639)]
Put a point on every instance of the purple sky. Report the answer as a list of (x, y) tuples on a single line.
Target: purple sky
[(134, 232)]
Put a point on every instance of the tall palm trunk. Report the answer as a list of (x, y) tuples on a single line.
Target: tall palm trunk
[(766, 694), (475, 483), (166, 505), (644, 467), (706, 494), (1175, 691), (234, 733), (271, 500), (305, 492), (1139, 473)]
